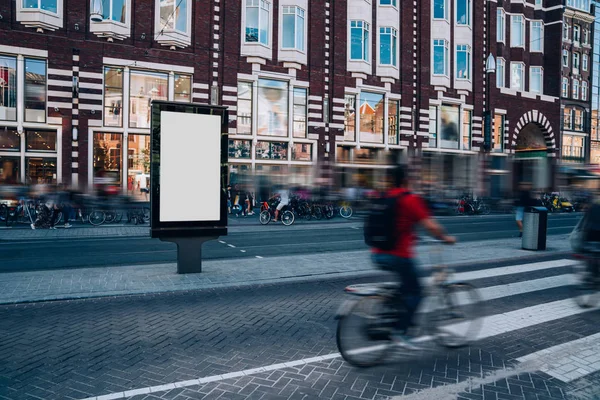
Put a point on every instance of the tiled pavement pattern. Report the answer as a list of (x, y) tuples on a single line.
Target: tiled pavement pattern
[(103, 347)]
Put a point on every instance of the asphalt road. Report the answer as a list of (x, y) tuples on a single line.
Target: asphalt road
[(242, 241)]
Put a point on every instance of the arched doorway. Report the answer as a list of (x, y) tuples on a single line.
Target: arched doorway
[(531, 157)]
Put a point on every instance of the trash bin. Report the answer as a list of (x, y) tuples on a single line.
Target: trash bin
[(535, 226)]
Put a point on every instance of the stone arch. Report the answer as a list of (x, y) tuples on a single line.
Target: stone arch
[(543, 123)]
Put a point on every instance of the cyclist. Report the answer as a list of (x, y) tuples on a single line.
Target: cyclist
[(284, 200), (411, 213)]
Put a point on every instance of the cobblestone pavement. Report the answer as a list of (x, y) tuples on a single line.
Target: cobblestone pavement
[(277, 341)]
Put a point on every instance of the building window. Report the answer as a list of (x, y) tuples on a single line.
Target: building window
[(114, 10), (463, 12), (371, 117), (388, 44), (517, 31), (536, 80), (565, 87), (440, 57), (565, 58), (257, 21), (8, 88), (350, 118), (35, 90), (572, 148), (272, 108), (173, 14), (393, 121), (10, 169), (500, 73), (244, 108), (565, 31), (586, 36), (271, 151), (575, 89), (183, 88), (108, 159), (359, 41), (584, 90), (138, 165), (517, 81), (433, 126), (441, 9), (584, 62), (40, 170), (299, 129), (38, 140), (580, 4), (498, 138), (463, 61), (46, 5), (10, 140), (500, 25), (466, 130), (578, 120), (568, 119), (576, 33), (450, 121), (144, 87), (293, 28), (576, 63), (240, 149), (537, 36), (113, 96), (302, 152), (387, 3), (538, 3)]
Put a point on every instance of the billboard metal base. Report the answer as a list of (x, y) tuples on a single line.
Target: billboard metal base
[(189, 252)]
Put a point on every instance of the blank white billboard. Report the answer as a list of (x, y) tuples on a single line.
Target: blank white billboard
[(190, 167)]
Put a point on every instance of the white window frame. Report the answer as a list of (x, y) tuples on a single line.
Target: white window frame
[(390, 3), (576, 63), (466, 48), (584, 62), (541, 40), (584, 90), (446, 11), (565, 32), (522, 86), (565, 58), (501, 25), (586, 36), (501, 77), (541, 75), (257, 49), (446, 48), (393, 32), (514, 17), (174, 37), (366, 27), (298, 13), (261, 5), (38, 18), (575, 89), (565, 87), (469, 12), (576, 34)]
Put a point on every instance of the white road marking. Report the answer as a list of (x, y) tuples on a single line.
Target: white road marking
[(243, 251), (221, 241), (230, 245), (258, 257)]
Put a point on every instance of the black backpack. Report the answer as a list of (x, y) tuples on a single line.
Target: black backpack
[(380, 228)]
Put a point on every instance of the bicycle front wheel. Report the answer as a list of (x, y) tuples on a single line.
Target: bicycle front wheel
[(265, 217), (363, 334), (454, 318), (346, 212), (97, 217)]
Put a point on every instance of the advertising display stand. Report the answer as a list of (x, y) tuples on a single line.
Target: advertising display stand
[(188, 178)]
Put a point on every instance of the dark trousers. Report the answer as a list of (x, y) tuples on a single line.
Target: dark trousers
[(409, 293), (65, 209)]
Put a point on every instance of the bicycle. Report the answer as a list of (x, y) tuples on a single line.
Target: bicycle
[(448, 307), (345, 210), (285, 215)]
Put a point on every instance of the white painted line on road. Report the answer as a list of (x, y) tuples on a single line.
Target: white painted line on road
[(230, 245), (513, 269), (243, 251), (258, 257), (221, 241)]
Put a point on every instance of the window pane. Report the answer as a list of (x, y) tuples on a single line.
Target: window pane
[(10, 170), (299, 128), (271, 151), (439, 9), (183, 88), (10, 140), (393, 121), (439, 62), (244, 108), (433, 126), (272, 108), (113, 96), (462, 12), (240, 149), (138, 166), (302, 152), (516, 30), (536, 36), (371, 117), (500, 73), (181, 16), (35, 90), (49, 5), (500, 20), (166, 14), (8, 88), (108, 159), (145, 87), (40, 170), (264, 26), (498, 133), (385, 47), (462, 62), (288, 30), (251, 24), (300, 33), (350, 118), (38, 140), (118, 11), (466, 133), (449, 129), (356, 43), (517, 77), (30, 4)]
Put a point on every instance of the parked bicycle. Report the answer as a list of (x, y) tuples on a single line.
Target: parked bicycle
[(467, 205)]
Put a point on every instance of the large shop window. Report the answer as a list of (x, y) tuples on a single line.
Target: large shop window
[(500, 73), (463, 12), (40, 170), (173, 15), (433, 126), (467, 129), (272, 108), (388, 44), (463, 61), (10, 170), (450, 120), (371, 117), (10, 140), (293, 28), (257, 21), (244, 108), (240, 149), (183, 88), (359, 41), (350, 118), (145, 87), (38, 140), (138, 164), (113, 96), (35, 90), (393, 121), (299, 128), (8, 88), (441, 57), (114, 10), (46, 5), (537, 36), (517, 31), (498, 133), (500, 25), (271, 151), (302, 152), (108, 158), (572, 148), (441, 9)]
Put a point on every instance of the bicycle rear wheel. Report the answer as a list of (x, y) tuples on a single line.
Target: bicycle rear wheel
[(346, 212), (454, 318), (265, 217), (585, 285), (362, 335), (288, 218), (97, 217)]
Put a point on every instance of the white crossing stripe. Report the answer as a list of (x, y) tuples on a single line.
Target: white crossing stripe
[(513, 269)]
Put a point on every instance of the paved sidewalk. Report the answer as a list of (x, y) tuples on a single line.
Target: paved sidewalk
[(123, 280)]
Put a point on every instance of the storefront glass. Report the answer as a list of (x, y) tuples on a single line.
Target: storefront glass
[(244, 108), (138, 165), (350, 119), (450, 119), (35, 90), (9, 170), (466, 132), (433, 126), (302, 152), (240, 149), (113, 96), (183, 88), (145, 87), (239, 173), (498, 133), (8, 88), (366, 156), (271, 151), (272, 108), (10, 140), (299, 113), (342, 154), (108, 158), (38, 140), (371, 117), (393, 121), (40, 171)]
